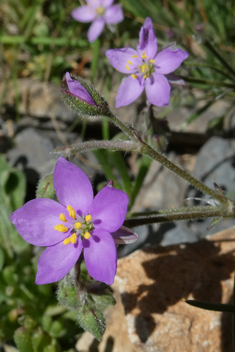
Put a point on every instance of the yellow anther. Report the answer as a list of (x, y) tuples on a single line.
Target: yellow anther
[(144, 56), (61, 228), (88, 217), (134, 56), (87, 235), (152, 61), (143, 68), (74, 238), (77, 225), (134, 76), (129, 62), (72, 212), (63, 218), (100, 11), (146, 76), (67, 240), (128, 68)]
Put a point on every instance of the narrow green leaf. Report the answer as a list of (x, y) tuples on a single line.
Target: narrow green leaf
[(116, 159), (101, 156), (144, 165), (94, 62)]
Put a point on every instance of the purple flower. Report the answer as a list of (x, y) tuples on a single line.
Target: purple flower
[(77, 223), (147, 68), (98, 12)]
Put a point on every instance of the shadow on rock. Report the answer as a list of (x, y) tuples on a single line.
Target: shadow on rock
[(175, 272)]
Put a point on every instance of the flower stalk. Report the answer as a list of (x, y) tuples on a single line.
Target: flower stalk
[(185, 213)]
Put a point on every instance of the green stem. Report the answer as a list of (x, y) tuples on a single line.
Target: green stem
[(208, 82), (153, 154), (190, 213), (125, 146), (219, 57), (124, 127)]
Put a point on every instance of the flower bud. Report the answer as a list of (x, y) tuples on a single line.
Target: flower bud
[(81, 97), (45, 188)]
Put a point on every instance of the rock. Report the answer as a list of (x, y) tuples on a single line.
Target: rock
[(215, 163), (154, 284), (39, 99)]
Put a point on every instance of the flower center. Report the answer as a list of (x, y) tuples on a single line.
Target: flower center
[(145, 69), (100, 11), (77, 226)]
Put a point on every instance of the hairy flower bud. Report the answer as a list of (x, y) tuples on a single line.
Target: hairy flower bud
[(82, 97)]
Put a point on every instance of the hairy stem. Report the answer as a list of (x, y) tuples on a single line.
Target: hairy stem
[(186, 213)]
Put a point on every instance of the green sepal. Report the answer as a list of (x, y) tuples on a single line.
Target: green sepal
[(45, 188), (81, 107), (218, 307), (23, 340), (92, 320), (67, 294), (100, 295)]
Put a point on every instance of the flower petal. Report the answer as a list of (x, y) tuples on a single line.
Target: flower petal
[(95, 29), (106, 3), (119, 59), (147, 40), (100, 255), (57, 261), (78, 90), (113, 15), (109, 209), (35, 221), (84, 14), (129, 90), (158, 90), (169, 60), (124, 236), (72, 186)]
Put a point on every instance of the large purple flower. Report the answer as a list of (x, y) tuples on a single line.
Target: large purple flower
[(77, 223), (147, 68), (98, 12)]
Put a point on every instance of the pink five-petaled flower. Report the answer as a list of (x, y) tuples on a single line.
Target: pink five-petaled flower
[(77, 223), (147, 68), (99, 12)]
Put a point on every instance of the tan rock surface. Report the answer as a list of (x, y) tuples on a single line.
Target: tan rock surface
[(154, 284)]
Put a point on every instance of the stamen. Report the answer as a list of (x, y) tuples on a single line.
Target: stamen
[(144, 56), (144, 67), (63, 218), (74, 238), (146, 76), (128, 68), (88, 217), (134, 56), (61, 228), (152, 61), (129, 62), (134, 76), (67, 240), (77, 225), (87, 235), (72, 212)]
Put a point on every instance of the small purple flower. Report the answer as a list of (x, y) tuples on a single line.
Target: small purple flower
[(98, 12), (77, 223), (147, 68)]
